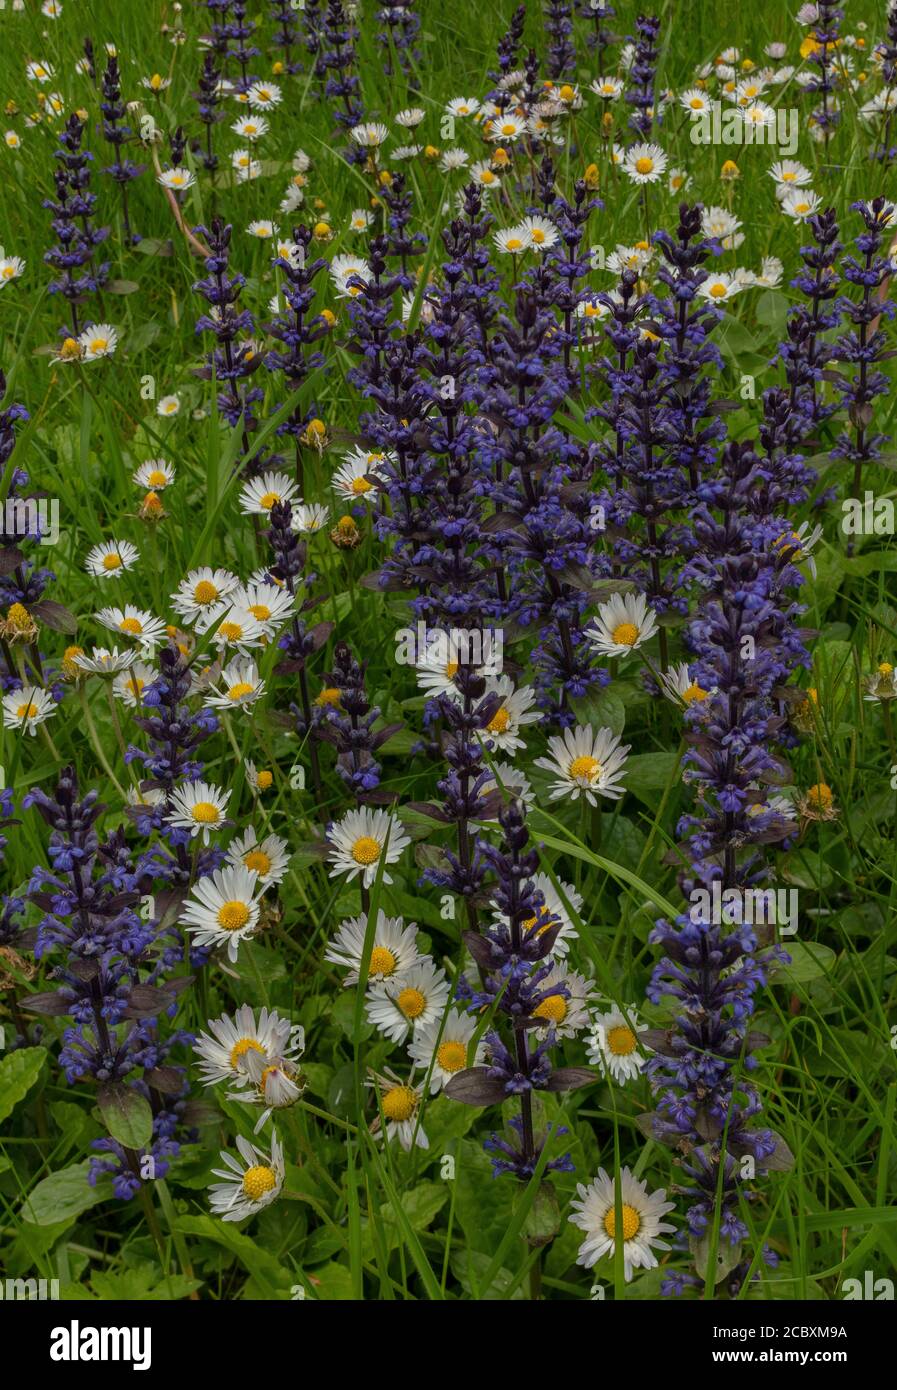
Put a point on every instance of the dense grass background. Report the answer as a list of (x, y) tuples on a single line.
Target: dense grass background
[(388, 1225)]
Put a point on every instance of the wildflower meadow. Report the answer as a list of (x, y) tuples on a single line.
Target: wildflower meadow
[(448, 648)]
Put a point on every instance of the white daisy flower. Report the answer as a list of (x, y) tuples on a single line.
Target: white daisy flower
[(250, 128), (503, 730), (102, 662), (240, 686), (623, 623), (759, 115), (301, 162), (695, 101), (236, 628), (345, 268), (509, 782), (400, 1103), (566, 1015), (719, 286), (259, 779), (134, 622), (262, 96), (513, 241), (198, 597), (770, 273), (11, 267), (628, 258), (128, 686), (152, 796), (484, 174), (463, 106), (613, 1043), (410, 117), (99, 340), (801, 205), (359, 839), (275, 1084), (594, 1212), (268, 858), (393, 953), (644, 163), (403, 152), (402, 1004), (156, 83), (222, 908), (168, 405), (678, 181), (608, 88), (263, 230), (223, 1055), (309, 517), (799, 544), (199, 807), (178, 180), (12, 139), (360, 220), (552, 912), (25, 709), (677, 685), (447, 1053), (39, 72), (111, 559), (506, 128), (258, 495), (453, 159), (370, 134), (542, 232), (720, 224), (155, 474), (270, 604), (585, 763), (352, 478), (248, 1185)]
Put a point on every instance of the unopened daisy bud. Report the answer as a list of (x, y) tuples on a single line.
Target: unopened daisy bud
[(818, 803), (345, 534), (277, 69), (607, 123), (431, 152), (329, 317), (71, 671), (70, 351), (322, 231), (384, 178), (501, 158), (315, 435), (730, 171), (151, 508), (591, 177), (19, 625)]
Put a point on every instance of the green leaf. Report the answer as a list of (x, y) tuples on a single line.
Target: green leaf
[(18, 1073), (270, 1276), (646, 774), (602, 708), (771, 311), (127, 1115), (809, 961), (64, 1195)]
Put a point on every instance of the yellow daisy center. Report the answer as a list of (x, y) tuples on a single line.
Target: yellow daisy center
[(205, 813), (264, 780), (258, 1180), (233, 915), (398, 1103), (487, 176), (452, 1056), (514, 243), (631, 1222), (231, 632), (585, 768), (554, 1009), (260, 611), (499, 721), (644, 165), (329, 696), (157, 478), (383, 962), (360, 485), (133, 625), (240, 1048), (268, 499), (820, 796), (718, 291), (135, 685), (411, 1003), (257, 861), (99, 344), (621, 1041), (112, 561), (365, 850), (26, 711), (625, 634), (696, 104), (694, 692), (242, 688)]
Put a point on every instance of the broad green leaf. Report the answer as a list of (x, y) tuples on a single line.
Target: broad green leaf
[(18, 1073)]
